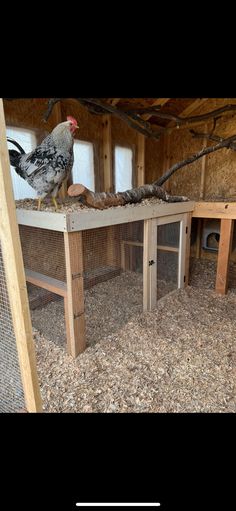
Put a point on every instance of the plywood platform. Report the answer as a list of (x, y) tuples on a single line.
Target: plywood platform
[(93, 218)]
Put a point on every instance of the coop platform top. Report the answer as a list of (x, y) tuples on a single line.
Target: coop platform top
[(215, 209), (68, 219)]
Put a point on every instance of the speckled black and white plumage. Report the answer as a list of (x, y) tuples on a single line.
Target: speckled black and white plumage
[(49, 164)]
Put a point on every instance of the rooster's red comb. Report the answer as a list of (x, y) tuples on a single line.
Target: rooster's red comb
[(71, 119)]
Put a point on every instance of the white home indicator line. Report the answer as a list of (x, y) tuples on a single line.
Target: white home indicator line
[(118, 504)]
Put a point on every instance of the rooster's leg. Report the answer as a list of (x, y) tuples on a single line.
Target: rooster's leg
[(39, 203), (55, 202)]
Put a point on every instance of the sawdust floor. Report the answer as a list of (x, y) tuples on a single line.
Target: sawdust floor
[(181, 357)]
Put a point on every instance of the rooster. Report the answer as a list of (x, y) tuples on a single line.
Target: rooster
[(46, 167)]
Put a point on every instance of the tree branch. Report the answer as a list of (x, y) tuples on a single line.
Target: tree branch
[(105, 200), (181, 120), (132, 115), (225, 143), (51, 103), (210, 136), (121, 115)]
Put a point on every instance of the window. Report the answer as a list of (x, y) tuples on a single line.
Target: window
[(83, 168), (27, 140), (123, 169)]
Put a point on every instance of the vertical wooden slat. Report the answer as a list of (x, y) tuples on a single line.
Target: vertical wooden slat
[(225, 245), (15, 277), (199, 238), (184, 251), (107, 153), (141, 160), (75, 320), (166, 159), (203, 168), (57, 118), (149, 264), (188, 246)]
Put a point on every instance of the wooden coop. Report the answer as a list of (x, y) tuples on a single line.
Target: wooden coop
[(67, 253), (134, 253)]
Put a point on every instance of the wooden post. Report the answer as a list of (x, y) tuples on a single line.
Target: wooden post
[(15, 277), (74, 303), (107, 153), (149, 265), (184, 250), (166, 159), (199, 238), (57, 118), (107, 165), (203, 169), (141, 160), (225, 245)]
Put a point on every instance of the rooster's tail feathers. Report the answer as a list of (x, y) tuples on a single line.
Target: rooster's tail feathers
[(15, 155), (16, 144)]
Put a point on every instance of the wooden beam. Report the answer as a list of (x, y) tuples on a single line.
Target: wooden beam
[(215, 210), (74, 304), (15, 277), (166, 159), (57, 118), (184, 250), (149, 265), (199, 238), (203, 169), (140, 179), (165, 248), (225, 246), (114, 101), (82, 220), (157, 102), (107, 153), (38, 279)]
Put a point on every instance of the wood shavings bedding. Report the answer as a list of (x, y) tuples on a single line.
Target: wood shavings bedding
[(180, 357)]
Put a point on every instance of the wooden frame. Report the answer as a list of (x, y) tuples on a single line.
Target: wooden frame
[(107, 153), (140, 178), (226, 211), (74, 304), (149, 265), (149, 256), (225, 246), (72, 224), (15, 277), (83, 220)]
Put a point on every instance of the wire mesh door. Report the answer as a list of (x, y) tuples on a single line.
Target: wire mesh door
[(168, 236), (166, 256)]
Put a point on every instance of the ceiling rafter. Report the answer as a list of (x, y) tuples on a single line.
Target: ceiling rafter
[(113, 101), (157, 102), (188, 110)]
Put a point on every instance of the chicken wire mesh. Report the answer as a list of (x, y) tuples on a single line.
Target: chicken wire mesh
[(11, 389), (168, 236), (112, 262)]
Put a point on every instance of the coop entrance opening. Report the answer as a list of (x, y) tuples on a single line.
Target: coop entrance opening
[(211, 235)]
